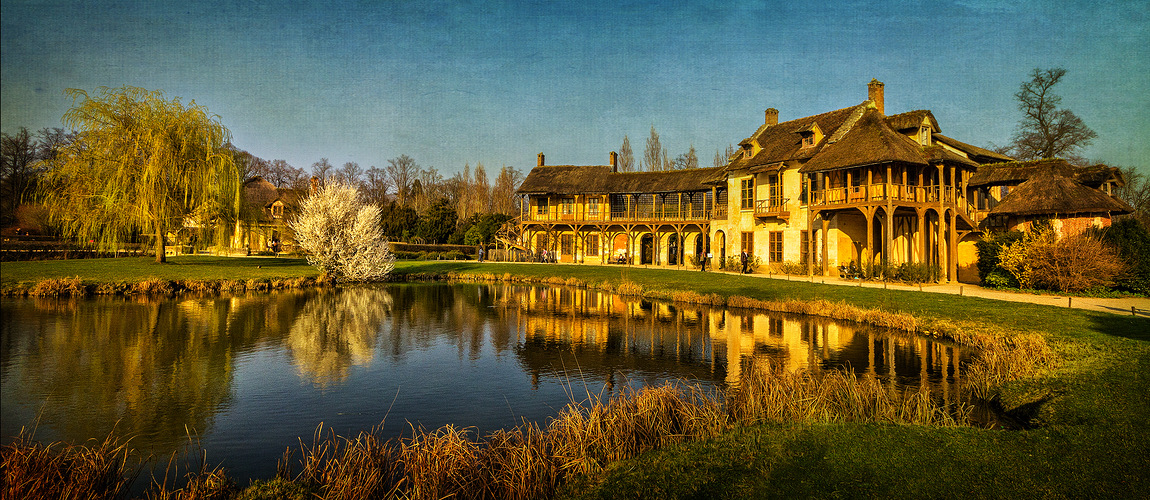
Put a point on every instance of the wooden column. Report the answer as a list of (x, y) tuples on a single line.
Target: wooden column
[(826, 244), (810, 227), (868, 212), (887, 236), (952, 250)]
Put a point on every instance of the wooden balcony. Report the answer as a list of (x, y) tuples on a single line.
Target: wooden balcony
[(636, 214), (876, 194), (777, 208)]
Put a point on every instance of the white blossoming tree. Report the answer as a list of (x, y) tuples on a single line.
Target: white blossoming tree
[(342, 236)]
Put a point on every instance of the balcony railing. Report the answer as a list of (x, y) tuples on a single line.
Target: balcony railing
[(863, 195), (777, 207), (634, 214)]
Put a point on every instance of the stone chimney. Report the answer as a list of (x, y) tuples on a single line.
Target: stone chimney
[(314, 184), (614, 161), (772, 117), (540, 164), (875, 93)]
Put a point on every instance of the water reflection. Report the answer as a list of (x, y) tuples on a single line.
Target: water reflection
[(608, 334), (253, 372), (337, 329)]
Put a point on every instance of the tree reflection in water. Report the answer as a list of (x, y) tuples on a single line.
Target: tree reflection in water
[(483, 355), (335, 330)]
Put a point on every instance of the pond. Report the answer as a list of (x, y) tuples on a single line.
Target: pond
[(248, 375)]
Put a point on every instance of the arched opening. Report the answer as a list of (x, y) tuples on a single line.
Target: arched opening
[(721, 245), (700, 248), (673, 253), (646, 249)]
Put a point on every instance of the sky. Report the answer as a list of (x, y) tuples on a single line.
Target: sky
[(491, 82)]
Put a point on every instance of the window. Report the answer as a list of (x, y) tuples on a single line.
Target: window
[(808, 140), (748, 191), (566, 244), (592, 245), (749, 242), (775, 246), (568, 206), (924, 136), (541, 207), (277, 210), (775, 191), (593, 206)]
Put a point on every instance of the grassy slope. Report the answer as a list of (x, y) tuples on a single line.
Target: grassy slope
[(132, 269), (1093, 402)]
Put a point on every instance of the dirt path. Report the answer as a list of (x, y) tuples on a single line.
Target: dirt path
[(1127, 305)]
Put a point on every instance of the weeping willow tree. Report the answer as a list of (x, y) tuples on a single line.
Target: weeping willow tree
[(142, 165)]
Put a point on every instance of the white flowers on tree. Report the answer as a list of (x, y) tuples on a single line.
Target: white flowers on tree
[(342, 236)]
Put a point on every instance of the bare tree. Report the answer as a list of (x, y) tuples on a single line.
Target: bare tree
[(282, 174), (19, 159), (350, 173), (724, 157), (503, 193), (1046, 131), (321, 170), (481, 189), (50, 141), (653, 153), (427, 187), (375, 184), (402, 171), (1136, 192), (626, 156)]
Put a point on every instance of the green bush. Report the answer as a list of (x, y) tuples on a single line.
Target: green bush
[(916, 273), (999, 279), (989, 248), (1132, 241)]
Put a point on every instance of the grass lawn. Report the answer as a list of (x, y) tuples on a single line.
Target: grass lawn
[(132, 269), (1091, 404)]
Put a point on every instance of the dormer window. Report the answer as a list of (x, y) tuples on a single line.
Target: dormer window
[(747, 151), (924, 136), (811, 135)]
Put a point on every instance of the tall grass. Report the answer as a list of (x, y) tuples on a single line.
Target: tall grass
[(97, 470)]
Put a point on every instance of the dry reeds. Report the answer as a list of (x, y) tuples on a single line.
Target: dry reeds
[(67, 471), (766, 393), (58, 287)]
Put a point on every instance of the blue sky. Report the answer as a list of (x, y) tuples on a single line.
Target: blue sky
[(450, 83)]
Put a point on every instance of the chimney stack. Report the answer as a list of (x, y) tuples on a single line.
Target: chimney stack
[(614, 161), (772, 116), (540, 160), (875, 93), (314, 184)]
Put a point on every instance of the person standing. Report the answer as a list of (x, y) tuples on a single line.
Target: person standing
[(743, 259)]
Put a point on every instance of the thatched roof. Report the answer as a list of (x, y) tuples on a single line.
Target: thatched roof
[(1097, 175), (1017, 172), (1049, 192), (912, 120), (784, 141), (599, 179), (975, 153), (258, 192), (869, 141)]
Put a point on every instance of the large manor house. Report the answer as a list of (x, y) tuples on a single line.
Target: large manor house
[(852, 188)]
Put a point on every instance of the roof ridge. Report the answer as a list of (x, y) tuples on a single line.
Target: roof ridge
[(762, 128), (847, 125)]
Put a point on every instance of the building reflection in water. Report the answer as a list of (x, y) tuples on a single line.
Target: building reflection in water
[(608, 334), (156, 368)]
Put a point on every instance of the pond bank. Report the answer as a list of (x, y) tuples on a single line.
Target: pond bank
[(1088, 404)]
